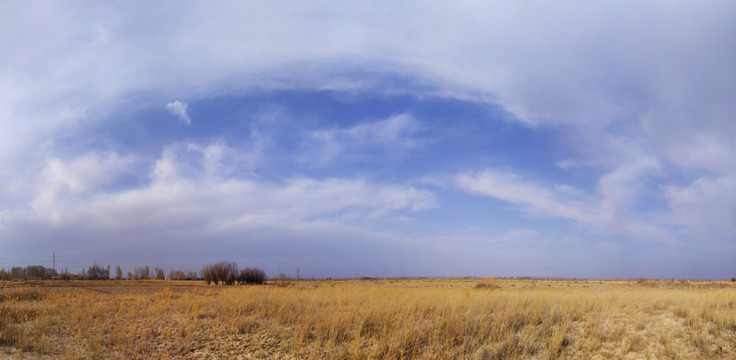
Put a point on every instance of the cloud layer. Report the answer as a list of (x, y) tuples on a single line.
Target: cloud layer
[(619, 120)]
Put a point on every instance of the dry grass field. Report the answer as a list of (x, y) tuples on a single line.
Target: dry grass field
[(369, 319)]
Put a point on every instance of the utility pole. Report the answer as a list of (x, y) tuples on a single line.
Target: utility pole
[(54, 262)]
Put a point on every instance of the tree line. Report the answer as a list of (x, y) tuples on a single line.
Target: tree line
[(28, 272), (225, 273)]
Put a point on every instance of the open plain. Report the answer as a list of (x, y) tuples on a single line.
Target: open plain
[(369, 319)]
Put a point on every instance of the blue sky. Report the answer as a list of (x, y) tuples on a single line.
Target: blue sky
[(371, 139)]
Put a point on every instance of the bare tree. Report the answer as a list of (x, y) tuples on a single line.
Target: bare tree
[(252, 276), (160, 273), (97, 272), (222, 272)]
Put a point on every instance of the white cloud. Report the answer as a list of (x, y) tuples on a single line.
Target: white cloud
[(66, 182), (181, 196), (535, 199), (609, 210), (705, 149), (706, 207), (396, 130), (391, 134), (179, 109), (86, 172), (620, 187)]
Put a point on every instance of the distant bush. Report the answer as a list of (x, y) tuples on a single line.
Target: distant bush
[(177, 275), (208, 274), (733, 279), (222, 272), (66, 275), (227, 273), (181, 275), (252, 276), (159, 273), (283, 280)]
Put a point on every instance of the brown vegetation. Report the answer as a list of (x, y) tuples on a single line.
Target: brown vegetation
[(371, 319), (227, 273)]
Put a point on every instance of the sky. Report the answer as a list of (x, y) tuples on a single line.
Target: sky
[(347, 138)]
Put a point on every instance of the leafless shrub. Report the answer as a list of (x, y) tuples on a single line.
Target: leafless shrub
[(283, 280), (208, 274), (222, 272), (252, 276)]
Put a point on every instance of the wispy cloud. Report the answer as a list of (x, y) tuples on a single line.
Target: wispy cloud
[(706, 208), (389, 135), (609, 210), (179, 109), (535, 199)]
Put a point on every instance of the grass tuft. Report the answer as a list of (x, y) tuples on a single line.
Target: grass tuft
[(487, 285)]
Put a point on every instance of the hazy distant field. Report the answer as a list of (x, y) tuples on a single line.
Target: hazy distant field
[(369, 319)]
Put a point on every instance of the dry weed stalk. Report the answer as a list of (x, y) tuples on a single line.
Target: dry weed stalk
[(423, 319)]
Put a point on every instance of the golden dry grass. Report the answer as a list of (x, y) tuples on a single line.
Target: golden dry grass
[(369, 319)]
